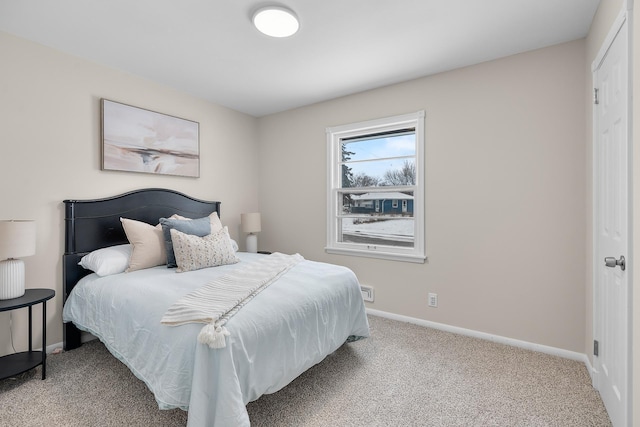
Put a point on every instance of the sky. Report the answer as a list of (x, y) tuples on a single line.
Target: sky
[(388, 148)]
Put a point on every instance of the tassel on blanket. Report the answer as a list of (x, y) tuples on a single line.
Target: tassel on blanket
[(213, 335)]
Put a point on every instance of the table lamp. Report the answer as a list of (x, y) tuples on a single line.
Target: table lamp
[(251, 224), (17, 239)]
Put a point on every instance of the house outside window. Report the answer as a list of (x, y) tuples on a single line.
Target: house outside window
[(376, 187)]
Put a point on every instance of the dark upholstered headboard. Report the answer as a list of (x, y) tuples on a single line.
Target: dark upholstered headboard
[(95, 224)]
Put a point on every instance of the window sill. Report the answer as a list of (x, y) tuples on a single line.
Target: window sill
[(377, 254)]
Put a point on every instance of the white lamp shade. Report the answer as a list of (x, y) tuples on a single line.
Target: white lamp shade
[(17, 239), (250, 222)]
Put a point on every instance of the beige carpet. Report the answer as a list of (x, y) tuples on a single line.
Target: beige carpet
[(404, 375)]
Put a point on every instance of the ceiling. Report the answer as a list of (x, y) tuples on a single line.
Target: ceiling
[(210, 49)]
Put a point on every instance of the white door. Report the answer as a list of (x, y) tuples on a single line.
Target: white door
[(611, 197)]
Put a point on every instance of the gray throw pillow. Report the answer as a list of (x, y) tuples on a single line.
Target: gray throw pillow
[(197, 227)]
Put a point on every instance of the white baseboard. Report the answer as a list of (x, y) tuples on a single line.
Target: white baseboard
[(590, 368), (84, 337), (52, 347), (580, 357)]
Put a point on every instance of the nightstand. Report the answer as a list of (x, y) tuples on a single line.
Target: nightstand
[(17, 363)]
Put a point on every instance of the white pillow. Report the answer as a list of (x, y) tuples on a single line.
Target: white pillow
[(193, 252), (106, 261)]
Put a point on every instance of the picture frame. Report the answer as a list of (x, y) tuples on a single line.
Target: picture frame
[(140, 140)]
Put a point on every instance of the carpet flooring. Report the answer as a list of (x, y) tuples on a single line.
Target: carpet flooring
[(403, 375)]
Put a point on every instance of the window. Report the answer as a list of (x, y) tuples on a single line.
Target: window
[(376, 187)]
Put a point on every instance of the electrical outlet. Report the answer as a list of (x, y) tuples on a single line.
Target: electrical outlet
[(433, 300), (367, 293)]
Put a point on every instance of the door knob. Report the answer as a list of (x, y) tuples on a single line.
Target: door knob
[(612, 262)]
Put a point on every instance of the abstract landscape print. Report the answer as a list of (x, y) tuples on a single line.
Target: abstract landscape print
[(139, 140)]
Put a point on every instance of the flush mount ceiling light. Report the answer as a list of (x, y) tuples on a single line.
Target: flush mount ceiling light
[(276, 21)]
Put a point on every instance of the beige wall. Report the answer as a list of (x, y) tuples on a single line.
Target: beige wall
[(505, 194), (50, 139)]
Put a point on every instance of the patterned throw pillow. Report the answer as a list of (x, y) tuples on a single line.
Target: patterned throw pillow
[(193, 252)]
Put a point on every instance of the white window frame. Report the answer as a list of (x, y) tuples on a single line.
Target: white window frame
[(335, 135)]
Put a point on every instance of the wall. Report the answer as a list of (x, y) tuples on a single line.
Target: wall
[(50, 138), (505, 194)]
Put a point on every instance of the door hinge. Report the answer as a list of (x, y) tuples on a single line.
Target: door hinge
[(595, 347), (596, 99)]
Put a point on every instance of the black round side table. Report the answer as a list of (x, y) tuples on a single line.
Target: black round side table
[(17, 363)]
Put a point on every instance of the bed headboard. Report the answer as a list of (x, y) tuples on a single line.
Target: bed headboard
[(95, 224)]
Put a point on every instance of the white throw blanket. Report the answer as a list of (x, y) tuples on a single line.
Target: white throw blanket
[(216, 302)]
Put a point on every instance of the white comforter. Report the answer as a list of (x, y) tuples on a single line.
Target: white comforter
[(292, 325)]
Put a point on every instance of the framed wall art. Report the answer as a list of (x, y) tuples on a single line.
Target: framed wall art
[(139, 140)]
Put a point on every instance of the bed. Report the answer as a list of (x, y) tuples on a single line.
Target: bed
[(293, 324)]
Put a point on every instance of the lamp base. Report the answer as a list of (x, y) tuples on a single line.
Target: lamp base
[(11, 279), (252, 243)]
